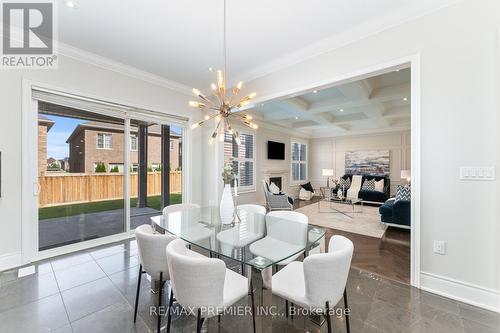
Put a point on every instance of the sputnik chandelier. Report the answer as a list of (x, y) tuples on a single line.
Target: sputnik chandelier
[(224, 103)]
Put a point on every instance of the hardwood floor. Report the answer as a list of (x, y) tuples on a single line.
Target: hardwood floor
[(388, 256)]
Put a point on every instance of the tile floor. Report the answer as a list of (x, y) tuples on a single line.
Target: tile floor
[(94, 291)]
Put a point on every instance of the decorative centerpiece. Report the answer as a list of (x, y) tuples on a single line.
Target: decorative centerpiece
[(340, 193), (226, 208)]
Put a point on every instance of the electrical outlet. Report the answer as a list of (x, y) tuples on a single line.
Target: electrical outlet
[(439, 247)]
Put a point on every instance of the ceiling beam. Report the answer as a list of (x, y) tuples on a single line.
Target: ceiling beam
[(376, 95), (398, 111), (298, 107)]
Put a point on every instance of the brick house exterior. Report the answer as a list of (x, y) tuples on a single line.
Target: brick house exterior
[(84, 152), (44, 126)]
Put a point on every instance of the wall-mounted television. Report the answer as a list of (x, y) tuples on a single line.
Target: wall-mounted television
[(275, 150)]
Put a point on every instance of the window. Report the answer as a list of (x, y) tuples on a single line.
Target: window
[(299, 161), (115, 167), (171, 145), (133, 142), (103, 141), (243, 158)]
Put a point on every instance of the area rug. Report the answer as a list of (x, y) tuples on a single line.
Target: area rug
[(365, 223)]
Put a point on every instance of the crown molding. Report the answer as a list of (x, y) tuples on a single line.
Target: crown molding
[(116, 66), (338, 41), (362, 132)]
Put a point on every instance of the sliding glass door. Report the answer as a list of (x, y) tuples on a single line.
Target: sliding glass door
[(87, 160), (155, 169), (80, 174)]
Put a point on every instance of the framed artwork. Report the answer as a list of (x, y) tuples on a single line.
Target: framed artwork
[(369, 162)]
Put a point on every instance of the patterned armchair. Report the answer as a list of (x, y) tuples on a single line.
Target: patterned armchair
[(279, 201)]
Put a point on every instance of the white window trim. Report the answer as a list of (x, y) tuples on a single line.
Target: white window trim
[(299, 141), (104, 141), (136, 142), (252, 188)]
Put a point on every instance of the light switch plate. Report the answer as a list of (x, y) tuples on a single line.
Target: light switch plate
[(439, 247), (477, 173)]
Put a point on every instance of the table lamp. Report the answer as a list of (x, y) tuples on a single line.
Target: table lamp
[(328, 173), (406, 174)]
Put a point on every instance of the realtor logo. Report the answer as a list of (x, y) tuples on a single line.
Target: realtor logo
[(28, 35)]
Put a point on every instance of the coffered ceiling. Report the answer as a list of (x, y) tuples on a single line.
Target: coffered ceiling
[(180, 40), (374, 104)]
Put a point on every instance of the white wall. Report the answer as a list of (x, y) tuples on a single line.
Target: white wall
[(459, 58), (329, 153), (86, 79)]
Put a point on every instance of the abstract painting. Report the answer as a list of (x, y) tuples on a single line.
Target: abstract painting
[(369, 162)]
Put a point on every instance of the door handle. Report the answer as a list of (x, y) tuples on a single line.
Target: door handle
[(36, 189)]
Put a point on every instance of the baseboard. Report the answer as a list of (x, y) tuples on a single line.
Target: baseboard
[(10, 260), (485, 298)]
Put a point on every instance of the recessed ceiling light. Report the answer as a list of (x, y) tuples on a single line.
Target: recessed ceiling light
[(397, 70), (70, 4), (341, 110), (405, 99), (296, 118), (210, 69), (315, 91)]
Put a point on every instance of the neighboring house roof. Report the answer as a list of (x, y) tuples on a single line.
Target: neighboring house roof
[(42, 120), (97, 125)]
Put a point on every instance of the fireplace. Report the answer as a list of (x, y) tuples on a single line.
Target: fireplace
[(276, 181)]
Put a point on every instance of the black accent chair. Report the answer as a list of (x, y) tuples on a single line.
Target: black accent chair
[(373, 196)]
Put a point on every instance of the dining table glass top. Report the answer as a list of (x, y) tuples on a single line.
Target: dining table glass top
[(203, 227)]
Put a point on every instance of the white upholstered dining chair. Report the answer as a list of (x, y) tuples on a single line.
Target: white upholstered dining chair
[(203, 285), (175, 215), (179, 208), (153, 261), (286, 232), (237, 237), (319, 282)]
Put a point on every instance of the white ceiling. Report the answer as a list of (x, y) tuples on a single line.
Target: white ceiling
[(374, 104), (180, 40)]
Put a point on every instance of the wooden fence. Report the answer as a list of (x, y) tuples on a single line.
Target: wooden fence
[(68, 188)]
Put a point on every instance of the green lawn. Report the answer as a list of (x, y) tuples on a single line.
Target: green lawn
[(100, 206)]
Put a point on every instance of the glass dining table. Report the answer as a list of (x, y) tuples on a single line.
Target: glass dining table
[(203, 228)]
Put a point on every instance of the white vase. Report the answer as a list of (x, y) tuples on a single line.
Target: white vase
[(226, 208)]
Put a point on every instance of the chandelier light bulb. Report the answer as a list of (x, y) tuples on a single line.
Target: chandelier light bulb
[(213, 86), (212, 138), (196, 92), (249, 117)]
